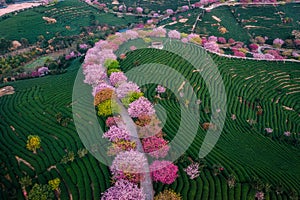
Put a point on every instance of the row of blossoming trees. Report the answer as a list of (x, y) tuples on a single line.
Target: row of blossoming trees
[(112, 92)]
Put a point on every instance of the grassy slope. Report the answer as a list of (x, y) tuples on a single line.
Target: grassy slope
[(243, 151), (32, 110), (29, 24), (268, 23)]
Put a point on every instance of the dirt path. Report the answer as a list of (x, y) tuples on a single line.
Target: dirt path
[(25, 162), (18, 6), (7, 91)]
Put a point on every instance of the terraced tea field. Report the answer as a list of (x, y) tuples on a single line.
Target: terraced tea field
[(76, 14), (268, 20), (153, 5), (32, 110), (244, 149), (242, 22)]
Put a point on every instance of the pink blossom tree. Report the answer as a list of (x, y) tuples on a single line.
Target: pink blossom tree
[(115, 134), (193, 170), (124, 189), (278, 42), (156, 147), (117, 78), (129, 165), (169, 12), (164, 171), (173, 34), (222, 40), (139, 10), (125, 88), (212, 46), (140, 107), (160, 89)]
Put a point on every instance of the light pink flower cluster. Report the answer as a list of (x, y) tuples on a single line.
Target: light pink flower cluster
[(126, 87), (158, 32), (169, 12), (156, 147), (269, 130), (278, 42), (117, 78), (113, 121), (129, 165), (100, 87), (115, 134), (212, 46), (124, 189), (173, 34), (140, 107), (164, 171), (260, 195), (212, 38), (193, 170), (139, 10), (130, 34), (94, 74), (160, 89), (83, 46)]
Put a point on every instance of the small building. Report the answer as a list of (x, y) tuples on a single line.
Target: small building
[(157, 45)]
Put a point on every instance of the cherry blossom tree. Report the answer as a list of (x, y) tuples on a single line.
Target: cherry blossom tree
[(125, 87), (124, 189), (117, 78), (278, 42), (115, 134), (164, 171), (160, 89), (139, 10), (156, 147), (129, 165), (169, 12), (173, 34), (193, 170), (212, 46), (141, 107)]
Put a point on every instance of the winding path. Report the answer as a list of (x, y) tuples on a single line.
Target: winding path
[(146, 183)]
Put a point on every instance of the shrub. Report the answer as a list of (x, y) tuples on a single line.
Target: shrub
[(123, 189), (54, 183), (40, 192), (103, 95), (140, 107), (156, 147), (168, 195), (129, 165), (33, 143), (108, 108), (164, 171), (109, 72), (111, 64), (131, 97)]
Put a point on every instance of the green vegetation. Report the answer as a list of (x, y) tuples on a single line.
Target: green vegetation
[(245, 150), (242, 22), (36, 104), (261, 95), (269, 20), (153, 5), (75, 14)]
